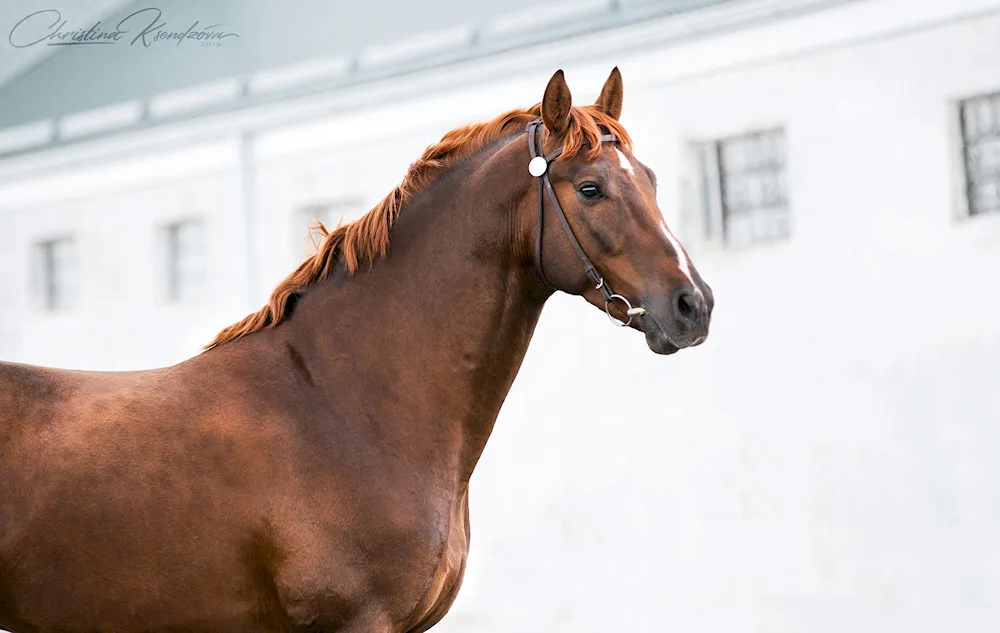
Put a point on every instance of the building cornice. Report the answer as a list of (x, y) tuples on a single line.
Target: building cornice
[(852, 20)]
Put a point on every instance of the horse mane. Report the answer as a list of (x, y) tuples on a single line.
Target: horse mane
[(362, 242)]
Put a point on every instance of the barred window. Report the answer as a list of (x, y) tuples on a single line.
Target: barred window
[(754, 193), (186, 265), (58, 274), (744, 188), (980, 118)]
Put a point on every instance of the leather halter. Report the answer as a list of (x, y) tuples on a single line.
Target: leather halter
[(538, 167)]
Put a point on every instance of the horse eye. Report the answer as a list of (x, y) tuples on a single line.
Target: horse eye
[(590, 191)]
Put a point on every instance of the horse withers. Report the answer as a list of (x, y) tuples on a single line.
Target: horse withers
[(309, 471)]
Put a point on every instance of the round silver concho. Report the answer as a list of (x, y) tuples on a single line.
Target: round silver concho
[(537, 166)]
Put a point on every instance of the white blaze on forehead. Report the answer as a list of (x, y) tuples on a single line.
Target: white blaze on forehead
[(624, 162), (682, 259)]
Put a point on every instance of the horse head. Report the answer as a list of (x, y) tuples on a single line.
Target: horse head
[(598, 226)]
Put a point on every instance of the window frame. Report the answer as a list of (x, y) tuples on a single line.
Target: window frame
[(49, 279), (713, 215), (965, 206), (173, 279)]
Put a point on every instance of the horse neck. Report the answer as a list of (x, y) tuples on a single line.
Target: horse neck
[(428, 341)]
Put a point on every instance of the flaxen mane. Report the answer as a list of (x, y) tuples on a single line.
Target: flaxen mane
[(366, 240)]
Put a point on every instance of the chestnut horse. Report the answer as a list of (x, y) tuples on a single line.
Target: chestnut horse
[(309, 471)]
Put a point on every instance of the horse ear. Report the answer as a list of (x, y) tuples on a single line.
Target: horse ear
[(556, 104), (610, 100)]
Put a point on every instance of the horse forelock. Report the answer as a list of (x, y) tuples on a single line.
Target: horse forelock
[(366, 240)]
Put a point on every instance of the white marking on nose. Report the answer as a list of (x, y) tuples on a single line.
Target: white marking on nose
[(624, 162), (682, 259)]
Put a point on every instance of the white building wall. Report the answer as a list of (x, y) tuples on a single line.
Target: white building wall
[(115, 209), (826, 462)]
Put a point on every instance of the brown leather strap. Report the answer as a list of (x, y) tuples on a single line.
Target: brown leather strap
[(534, 143), (539, 268)]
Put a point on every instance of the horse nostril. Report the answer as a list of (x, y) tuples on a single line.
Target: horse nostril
[(684, 304)]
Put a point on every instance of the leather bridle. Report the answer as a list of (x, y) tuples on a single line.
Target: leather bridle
[(539, 168)]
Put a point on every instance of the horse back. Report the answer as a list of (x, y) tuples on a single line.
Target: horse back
[(26, 391), (137, 465)]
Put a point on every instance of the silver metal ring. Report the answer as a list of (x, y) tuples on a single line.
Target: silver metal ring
[(628, 310)]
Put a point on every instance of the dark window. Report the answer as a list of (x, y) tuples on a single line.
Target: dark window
[(58, 277), (186, 269), (981, 148), (753, 189)]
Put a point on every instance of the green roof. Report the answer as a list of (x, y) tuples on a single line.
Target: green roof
[(325, 44)]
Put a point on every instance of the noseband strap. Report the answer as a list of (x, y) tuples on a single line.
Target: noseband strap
[(538, 167)]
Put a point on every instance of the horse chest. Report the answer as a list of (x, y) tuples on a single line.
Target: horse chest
[(409, 575), (446, 580)]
